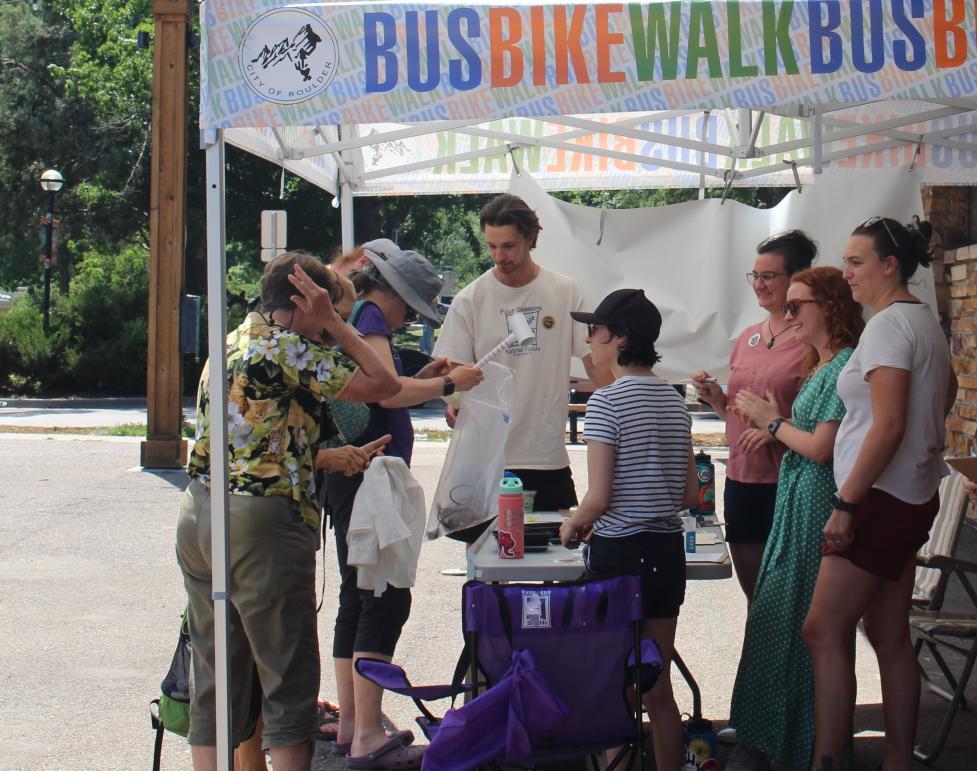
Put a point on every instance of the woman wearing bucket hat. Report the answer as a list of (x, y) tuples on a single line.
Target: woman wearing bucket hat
[(397, 286), (641, 474)]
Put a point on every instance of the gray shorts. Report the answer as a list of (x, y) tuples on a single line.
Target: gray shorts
[(272, 616)]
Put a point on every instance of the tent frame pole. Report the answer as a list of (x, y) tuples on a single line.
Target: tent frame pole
[(346, 191), (213, 142)]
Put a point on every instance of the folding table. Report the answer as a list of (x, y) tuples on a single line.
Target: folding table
[(710, 562)]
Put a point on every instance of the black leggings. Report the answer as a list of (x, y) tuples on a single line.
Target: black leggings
[(364, 623)]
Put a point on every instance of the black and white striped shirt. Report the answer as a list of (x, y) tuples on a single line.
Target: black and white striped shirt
[(647, 423)]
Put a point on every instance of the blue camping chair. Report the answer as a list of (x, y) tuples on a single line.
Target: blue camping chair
[(550, 670)]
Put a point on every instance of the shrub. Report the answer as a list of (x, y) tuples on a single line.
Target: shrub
[(27, 355), (102, 325)]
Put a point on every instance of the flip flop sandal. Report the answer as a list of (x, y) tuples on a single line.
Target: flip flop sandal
[(328, 720), (406, 738), (392, 755)]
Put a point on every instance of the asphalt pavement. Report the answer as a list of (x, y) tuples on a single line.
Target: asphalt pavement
[(91, 596)]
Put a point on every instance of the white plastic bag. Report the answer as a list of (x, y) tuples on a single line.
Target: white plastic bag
[(469, 485)]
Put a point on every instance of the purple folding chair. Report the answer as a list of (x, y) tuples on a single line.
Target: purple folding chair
[(551, 667)]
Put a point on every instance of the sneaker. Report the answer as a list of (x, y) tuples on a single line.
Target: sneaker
[(727, 735), (747, 758)]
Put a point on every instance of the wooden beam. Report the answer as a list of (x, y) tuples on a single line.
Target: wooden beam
[(164, 446)]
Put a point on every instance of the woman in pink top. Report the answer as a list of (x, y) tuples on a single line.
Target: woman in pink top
[(765, 359)]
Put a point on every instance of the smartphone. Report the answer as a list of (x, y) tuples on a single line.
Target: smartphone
[(372, 448)]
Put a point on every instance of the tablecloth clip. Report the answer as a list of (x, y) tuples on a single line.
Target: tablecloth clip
[(919, 147), (728, 176), (797, 177), (512, 157), (603, 216)]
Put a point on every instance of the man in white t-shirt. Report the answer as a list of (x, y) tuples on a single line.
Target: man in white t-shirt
[(479, 319)]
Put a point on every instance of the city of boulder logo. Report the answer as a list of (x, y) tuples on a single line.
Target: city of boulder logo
[(288, 55)]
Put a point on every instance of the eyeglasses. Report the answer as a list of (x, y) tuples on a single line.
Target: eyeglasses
[(766, 276), (875, 221), (793, 306), (410, 315), (592, 329)]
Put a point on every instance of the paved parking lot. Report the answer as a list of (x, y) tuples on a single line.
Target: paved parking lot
[(91, 596)]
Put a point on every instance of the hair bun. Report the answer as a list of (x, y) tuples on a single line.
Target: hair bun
[(922, 227)]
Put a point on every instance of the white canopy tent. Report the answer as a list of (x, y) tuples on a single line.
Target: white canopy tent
[(376, 98), (679, 148)]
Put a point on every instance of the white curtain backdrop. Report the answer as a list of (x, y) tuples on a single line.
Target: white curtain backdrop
[(691, 258)]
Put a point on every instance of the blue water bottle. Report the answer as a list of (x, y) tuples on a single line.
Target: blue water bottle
[(706, 473), (700, 744)]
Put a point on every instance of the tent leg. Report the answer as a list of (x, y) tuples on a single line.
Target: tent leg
[(702, 155), (346, 193), (744, 128), (216, 337), (346, 216), (818, 140)]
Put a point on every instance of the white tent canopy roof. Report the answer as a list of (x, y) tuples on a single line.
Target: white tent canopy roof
[(616, 151)]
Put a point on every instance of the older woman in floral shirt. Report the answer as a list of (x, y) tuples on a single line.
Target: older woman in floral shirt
[(279, 372)]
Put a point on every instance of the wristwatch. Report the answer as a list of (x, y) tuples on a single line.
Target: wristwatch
[(449, 386), (837, 502), (775, 425)]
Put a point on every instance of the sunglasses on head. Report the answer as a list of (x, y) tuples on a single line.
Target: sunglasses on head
[(793, 306), (875, 221)]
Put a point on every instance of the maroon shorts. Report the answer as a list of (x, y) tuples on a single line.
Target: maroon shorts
[(888, 533)]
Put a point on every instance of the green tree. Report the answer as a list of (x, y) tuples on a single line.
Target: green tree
[(74, 96)]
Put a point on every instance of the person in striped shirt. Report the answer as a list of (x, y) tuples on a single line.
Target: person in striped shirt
[(641, 473)]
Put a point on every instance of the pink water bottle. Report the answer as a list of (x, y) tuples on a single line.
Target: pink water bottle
[(510, 525)]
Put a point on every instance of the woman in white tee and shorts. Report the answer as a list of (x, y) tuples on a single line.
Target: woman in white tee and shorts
[(897, 388)]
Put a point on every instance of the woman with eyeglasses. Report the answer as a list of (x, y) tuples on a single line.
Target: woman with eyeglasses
[(897, 389), (766, 357), (397, 285), (773, 698)]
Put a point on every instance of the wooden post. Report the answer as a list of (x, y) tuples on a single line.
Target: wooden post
[(164, 446)]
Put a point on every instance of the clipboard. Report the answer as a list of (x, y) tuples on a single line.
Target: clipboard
[(966, 466)]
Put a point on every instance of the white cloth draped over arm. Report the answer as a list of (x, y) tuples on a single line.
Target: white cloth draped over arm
[(386, 527)]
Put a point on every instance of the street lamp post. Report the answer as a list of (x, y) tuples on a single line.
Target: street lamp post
[(51, 181)]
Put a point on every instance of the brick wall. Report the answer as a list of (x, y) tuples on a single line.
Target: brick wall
[(953, 213), (960, 292)]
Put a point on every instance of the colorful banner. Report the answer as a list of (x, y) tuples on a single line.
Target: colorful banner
[(267, 64), (562, 169)]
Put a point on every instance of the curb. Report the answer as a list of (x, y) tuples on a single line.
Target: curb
[(85, 403)]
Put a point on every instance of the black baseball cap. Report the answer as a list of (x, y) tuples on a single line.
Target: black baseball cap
[(628, 308)]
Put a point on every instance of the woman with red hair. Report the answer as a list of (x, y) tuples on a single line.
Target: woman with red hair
[(773, 699)]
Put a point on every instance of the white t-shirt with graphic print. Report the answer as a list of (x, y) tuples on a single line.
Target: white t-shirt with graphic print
[(478, 321)]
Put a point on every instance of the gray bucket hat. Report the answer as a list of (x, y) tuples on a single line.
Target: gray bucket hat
[(409, 274)]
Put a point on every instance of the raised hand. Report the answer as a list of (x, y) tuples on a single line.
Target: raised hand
[(707, 389), (313, 300), (760, 411)]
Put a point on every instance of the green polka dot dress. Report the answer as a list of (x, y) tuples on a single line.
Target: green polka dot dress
[(773, 699)]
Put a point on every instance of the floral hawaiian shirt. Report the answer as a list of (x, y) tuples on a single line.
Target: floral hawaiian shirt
[(277, 383)]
